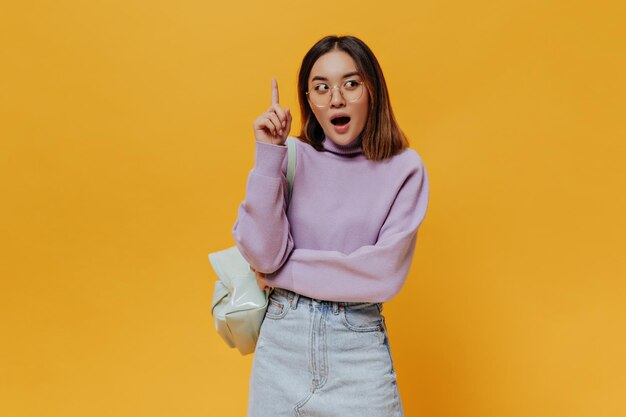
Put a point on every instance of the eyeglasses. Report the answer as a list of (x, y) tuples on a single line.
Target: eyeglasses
[(320, 95)]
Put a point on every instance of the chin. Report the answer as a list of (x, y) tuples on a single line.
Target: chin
[(341, 138)]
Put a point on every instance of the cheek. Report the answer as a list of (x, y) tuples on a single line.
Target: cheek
[(363, 111), (318, 115)]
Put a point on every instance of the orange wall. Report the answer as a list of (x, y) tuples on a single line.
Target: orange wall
[(126, 140)]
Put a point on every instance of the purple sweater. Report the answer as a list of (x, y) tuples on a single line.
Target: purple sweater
[(349, 231)]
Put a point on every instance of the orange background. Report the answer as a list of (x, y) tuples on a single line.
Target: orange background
[(126, 140)]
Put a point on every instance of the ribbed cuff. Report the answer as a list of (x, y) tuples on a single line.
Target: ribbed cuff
[(282, 278), (268, 159)]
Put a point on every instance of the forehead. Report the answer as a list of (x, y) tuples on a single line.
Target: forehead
[(333, 65)]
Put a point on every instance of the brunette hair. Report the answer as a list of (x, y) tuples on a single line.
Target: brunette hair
[(381, 136)]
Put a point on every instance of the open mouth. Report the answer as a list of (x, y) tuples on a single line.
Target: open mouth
[(340, 121)]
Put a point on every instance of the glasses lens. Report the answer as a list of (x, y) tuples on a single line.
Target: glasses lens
[(352, 90), (321, 95)]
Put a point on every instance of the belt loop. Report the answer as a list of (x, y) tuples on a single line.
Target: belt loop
[(294, 300), (335, 308)]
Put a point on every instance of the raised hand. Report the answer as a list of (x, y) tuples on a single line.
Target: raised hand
[(274, 125)]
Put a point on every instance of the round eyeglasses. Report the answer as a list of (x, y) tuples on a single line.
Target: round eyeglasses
[(321, 95)]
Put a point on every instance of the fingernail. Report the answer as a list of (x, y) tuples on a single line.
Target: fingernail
[(284, 123)]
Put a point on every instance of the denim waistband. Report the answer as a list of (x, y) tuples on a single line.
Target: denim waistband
[(294, 298)]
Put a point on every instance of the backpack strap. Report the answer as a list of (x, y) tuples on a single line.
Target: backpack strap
[(291, 162)]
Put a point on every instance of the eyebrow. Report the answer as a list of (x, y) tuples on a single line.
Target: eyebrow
[(350, 74)]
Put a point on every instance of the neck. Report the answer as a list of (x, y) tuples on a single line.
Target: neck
[(352, 148)]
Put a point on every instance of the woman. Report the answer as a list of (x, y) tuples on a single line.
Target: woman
[(341, 246)]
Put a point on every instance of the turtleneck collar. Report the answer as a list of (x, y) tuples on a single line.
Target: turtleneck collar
[(353, 148)]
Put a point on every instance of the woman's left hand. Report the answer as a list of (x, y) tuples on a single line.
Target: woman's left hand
[(260, 279)]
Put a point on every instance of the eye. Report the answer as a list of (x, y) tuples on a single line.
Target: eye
[(351, 84), (320, 88)]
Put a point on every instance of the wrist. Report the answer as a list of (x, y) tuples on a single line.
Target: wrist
[(269, 159), (271, 142)]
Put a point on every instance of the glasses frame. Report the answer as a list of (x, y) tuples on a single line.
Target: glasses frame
[(340, 92)]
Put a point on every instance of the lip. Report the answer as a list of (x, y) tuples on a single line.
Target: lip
[(332, 116)]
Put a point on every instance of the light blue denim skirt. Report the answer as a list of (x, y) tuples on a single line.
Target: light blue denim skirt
[(317, 358)]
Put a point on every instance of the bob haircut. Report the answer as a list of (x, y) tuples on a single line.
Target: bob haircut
[(381, 136)]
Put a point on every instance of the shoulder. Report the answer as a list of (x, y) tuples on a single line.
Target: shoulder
[(410, 172), (408, 161), (300, 144), (303, 149)]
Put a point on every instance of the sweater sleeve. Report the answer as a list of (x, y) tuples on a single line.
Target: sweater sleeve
[(261, 231), (372, 273)]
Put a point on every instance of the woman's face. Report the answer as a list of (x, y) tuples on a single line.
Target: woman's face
[(335, 68)]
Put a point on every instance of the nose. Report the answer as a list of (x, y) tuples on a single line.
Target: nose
[(336, 100)]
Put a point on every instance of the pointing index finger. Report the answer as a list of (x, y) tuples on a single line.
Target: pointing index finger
[(274, 91)]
